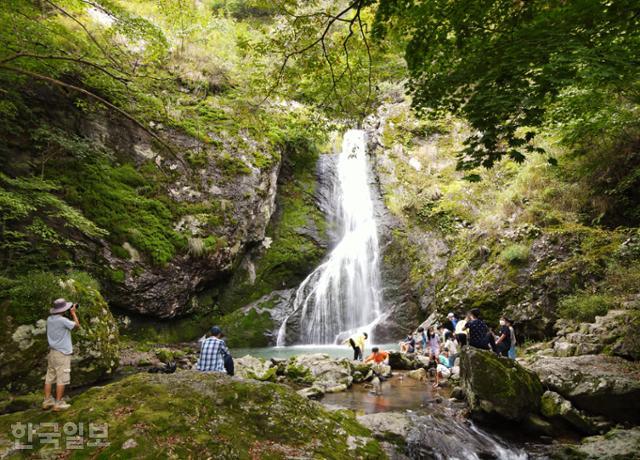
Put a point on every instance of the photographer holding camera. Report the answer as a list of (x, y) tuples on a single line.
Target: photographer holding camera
[(60, 349)]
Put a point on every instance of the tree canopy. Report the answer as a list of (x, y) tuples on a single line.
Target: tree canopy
[(506, 66)]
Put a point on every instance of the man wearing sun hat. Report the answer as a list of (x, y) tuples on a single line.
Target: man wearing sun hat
[(60, 350)]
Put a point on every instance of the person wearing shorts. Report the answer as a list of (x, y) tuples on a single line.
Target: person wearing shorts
[(60, 350)]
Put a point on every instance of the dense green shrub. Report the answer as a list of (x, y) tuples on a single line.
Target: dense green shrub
[(584, 306), (515, 254)]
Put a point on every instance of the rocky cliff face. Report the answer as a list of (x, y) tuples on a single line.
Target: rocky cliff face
[(244, 202), (515, 243)]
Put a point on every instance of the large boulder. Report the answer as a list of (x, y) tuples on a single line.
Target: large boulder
[(496, 386), (322, 371), (23, 339), (404, 361), (599, 384), (249, 367), (555, 407), (191, 414), (617, 444)]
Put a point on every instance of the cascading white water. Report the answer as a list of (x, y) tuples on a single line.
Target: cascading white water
[(343, 294)]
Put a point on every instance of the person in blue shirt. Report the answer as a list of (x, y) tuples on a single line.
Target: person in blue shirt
[(443, 369), (214, 354)]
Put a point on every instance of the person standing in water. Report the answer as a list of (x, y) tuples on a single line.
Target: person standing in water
[(356, 342)]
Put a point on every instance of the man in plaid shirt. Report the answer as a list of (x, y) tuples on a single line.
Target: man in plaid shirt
[(213, 353)]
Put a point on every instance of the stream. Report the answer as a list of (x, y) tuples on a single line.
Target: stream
[(440, 430)]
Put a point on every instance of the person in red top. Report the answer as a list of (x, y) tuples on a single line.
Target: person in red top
[(377, 356)]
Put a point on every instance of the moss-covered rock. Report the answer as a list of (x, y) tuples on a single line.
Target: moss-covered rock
[(496, 386), (197, 415), (598, 384), (617, 444), (23, 341)]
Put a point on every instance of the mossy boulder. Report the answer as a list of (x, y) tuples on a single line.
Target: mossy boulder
[(555, 407), (249, 367), (498, 387), (23, 341), (617, 444), (204, 415), (598, 384), (322, 371), (403, 361)]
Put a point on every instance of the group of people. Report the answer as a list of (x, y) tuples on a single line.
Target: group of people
[(442, 344)]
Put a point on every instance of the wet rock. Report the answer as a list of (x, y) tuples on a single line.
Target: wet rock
[(249, 367), (312, 392), (538, 425), (617, 444), (554, 406), (403, 361), (418, 374), (386, 425), (496, 386), (599, 384), (322, 371), (458, 393), (439, 436)]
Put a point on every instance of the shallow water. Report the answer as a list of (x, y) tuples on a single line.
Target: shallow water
[(399, 393), (335, 351)]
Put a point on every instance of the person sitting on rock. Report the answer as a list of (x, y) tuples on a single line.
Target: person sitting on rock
[(60, 350), (214, 354), (443, 369), (356, 342), (503, 342), (408, 345), (479, 335)]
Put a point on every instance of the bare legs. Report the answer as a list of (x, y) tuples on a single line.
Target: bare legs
[(59, 391)]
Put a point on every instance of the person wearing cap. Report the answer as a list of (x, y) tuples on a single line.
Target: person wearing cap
[(450, 323), (60, 350), (214, 354)]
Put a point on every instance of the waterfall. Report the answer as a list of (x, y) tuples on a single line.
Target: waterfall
[(343, 293)]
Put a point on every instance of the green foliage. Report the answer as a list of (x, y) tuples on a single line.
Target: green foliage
[(515, 254), (110, 198), (246, 329), (500, 64), (585, 306)]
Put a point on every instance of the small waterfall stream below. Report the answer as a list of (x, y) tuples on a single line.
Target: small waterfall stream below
[(342, 295)]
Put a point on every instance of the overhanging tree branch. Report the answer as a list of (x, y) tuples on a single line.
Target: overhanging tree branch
[(102, 101)]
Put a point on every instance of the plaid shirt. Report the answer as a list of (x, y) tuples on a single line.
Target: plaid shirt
[(212, 354)]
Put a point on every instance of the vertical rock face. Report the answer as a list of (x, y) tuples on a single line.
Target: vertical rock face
[(498, 387), (244, 202)]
